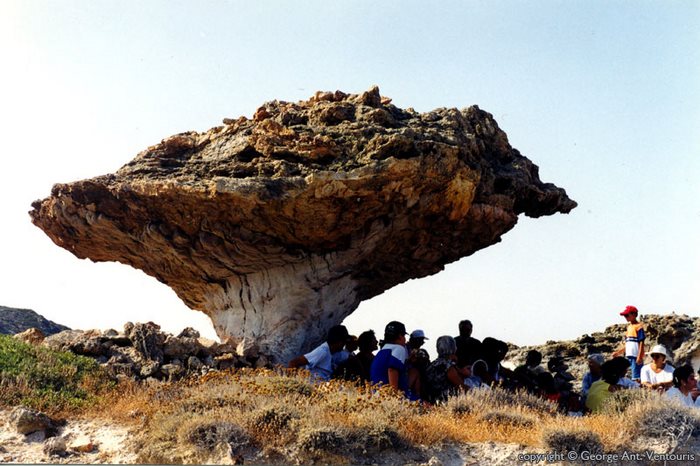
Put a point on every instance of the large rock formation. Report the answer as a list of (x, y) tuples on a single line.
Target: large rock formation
[(14, 320), (277, 227)]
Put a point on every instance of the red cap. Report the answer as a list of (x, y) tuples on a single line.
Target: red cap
[(629, 310)]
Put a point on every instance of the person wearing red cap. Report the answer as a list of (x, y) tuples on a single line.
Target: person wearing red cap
[(633, 348)]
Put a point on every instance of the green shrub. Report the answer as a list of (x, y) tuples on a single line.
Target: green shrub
[(48, 380)]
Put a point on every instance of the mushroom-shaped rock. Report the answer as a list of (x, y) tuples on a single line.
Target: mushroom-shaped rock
[(279, 226)]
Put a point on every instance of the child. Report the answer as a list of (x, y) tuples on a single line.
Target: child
[(634, 342)]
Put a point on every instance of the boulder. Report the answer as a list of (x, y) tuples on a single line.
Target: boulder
[(55, 446), (84, 342), (278, 226), (181, 347), (33, 336), (27, 421), (147, 339)]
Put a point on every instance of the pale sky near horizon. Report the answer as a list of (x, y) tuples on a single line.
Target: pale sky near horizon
[(604, 96)]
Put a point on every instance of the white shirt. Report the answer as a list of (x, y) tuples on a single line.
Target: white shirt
[(649, 376), (686, 400), (320, 362)]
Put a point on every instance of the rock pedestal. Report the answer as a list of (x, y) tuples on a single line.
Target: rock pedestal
[(279, 226)]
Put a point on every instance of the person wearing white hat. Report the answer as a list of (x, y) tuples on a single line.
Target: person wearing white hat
[(416, 340), (658, 374)]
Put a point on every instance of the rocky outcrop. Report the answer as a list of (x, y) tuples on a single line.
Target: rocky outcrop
[(143, 352), (680, 334), (18, 320), (278, 226)]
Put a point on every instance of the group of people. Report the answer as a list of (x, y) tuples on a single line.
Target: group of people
[(607, 377), (466, 363)]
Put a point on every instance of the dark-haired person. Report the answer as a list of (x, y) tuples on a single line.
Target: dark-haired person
[(468, 347), (601, 390), (319, 361), (685, 387), (357, 366), (525, 375), (389, 364)]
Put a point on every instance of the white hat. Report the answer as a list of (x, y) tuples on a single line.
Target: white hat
[(419, 334), (659, 349)]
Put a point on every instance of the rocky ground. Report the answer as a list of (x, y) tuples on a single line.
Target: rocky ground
[(79, 441)]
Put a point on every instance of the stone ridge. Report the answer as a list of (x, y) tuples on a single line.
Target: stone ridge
[(14, 320), (282, 224)]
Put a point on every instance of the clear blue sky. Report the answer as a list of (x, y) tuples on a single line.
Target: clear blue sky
[(603, 95)]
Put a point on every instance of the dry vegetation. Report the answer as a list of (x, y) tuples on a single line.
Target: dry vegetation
[(281, 417)]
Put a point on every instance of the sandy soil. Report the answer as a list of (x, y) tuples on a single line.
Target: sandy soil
[(109, 443)]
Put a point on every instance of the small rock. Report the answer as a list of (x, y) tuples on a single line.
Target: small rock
[(82, 444), (55, 446), (172, 371), (261, 362), (27, 420), (225, 361), (194, 363), (149, 369)]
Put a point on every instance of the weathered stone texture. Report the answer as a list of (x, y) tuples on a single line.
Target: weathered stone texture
[(277, 227)]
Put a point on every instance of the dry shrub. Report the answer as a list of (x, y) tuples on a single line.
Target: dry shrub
[(509, 418), (497, 398), (206, 435), (620, 401), (315, 442), (181, 437), (668, 422), (564, 441), (285, 418)]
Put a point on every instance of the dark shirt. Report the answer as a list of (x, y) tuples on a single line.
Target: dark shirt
[(468, 349)]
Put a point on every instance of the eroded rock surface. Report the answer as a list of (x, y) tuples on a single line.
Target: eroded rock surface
[(277, 227)]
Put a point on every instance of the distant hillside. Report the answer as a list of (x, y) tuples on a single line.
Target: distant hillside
[(18, 320)]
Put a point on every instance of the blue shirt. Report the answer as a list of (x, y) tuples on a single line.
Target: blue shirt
[(390, 356)]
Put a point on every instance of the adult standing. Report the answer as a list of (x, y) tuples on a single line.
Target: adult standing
[(468, 347), (658, 374)]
